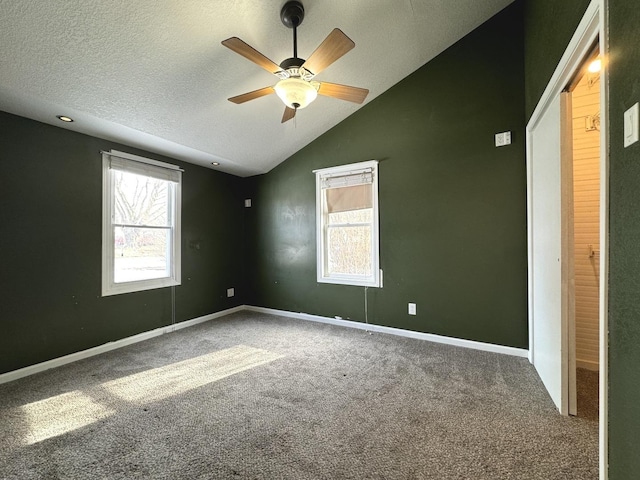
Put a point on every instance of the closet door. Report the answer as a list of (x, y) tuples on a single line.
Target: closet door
[(550, 262)]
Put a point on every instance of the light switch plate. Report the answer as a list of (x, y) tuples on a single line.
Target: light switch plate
[(503, 138), (412, 309), (231, 292), (631, 126)]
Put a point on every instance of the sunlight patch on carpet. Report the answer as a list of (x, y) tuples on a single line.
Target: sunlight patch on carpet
[(177, 378), (61, 414), (64, 413)]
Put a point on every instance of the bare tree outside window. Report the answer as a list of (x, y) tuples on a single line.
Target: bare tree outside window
[(349, 242), (142, 226)]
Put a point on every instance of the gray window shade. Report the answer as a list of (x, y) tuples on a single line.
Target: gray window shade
[(346, 199), (141, 168)]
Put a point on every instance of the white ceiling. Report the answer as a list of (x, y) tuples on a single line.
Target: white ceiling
[(153, 74)]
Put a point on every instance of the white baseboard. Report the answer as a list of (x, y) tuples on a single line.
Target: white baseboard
[(458, 342), (588, 364), (107, 347)]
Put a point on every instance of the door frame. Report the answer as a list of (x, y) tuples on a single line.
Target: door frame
[(592, 27)]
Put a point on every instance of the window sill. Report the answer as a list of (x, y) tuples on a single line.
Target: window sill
[(355, 282)]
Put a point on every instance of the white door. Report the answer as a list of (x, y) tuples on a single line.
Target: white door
[(550, 276)]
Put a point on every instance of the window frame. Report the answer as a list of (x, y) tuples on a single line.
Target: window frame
[(109, 286), (373, 280)]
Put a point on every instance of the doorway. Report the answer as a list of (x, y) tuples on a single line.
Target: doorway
[(585, 198), (550, 255)]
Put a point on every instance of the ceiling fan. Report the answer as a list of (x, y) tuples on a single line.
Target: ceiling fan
[(296, 87)]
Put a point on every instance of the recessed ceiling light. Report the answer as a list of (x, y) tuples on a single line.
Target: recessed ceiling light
[(64, 118), (215, 164)]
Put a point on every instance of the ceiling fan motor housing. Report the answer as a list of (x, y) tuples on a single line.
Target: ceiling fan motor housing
[(292, 62)]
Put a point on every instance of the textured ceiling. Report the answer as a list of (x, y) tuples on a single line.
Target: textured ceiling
[(153, 74)]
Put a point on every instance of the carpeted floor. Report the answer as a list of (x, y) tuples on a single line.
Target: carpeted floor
[(587, 382), (254, 396)]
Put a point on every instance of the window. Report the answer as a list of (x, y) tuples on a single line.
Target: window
[(140, 223), (347, 231)]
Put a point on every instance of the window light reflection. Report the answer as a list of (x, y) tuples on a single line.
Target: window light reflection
[(61, 414), (159, 383), (64, 413)]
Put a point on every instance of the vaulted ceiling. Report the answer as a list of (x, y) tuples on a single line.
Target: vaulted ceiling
[(153, 74)]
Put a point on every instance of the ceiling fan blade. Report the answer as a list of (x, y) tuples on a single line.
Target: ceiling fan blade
[(343, 92), (250, 53), (331, 49), (289, 113), (245, 97)]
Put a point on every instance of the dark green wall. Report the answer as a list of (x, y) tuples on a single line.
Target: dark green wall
[(624, 248), (549, 26), (50, 215), (452, 206)]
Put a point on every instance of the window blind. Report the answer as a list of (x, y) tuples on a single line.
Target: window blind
[(345, 199), (350, 191), (141, 166), (360, 178)]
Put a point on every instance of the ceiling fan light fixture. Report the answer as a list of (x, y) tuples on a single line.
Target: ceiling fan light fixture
[(296, 93)]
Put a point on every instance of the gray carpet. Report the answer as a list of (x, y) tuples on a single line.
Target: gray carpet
[(587, 382), (254, 396)]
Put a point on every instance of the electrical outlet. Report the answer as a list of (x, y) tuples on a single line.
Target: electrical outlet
[(412, 309), (231, 292), (247, 203)]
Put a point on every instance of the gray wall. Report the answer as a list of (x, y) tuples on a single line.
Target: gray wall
[(51, 221), (452, 205)]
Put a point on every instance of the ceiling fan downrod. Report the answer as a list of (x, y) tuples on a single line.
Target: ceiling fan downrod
[(292, 14)]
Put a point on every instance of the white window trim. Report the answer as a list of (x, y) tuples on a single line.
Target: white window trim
[(109, 287), (356, 280)]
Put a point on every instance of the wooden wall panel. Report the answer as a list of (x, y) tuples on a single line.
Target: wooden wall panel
[(586, 185)]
